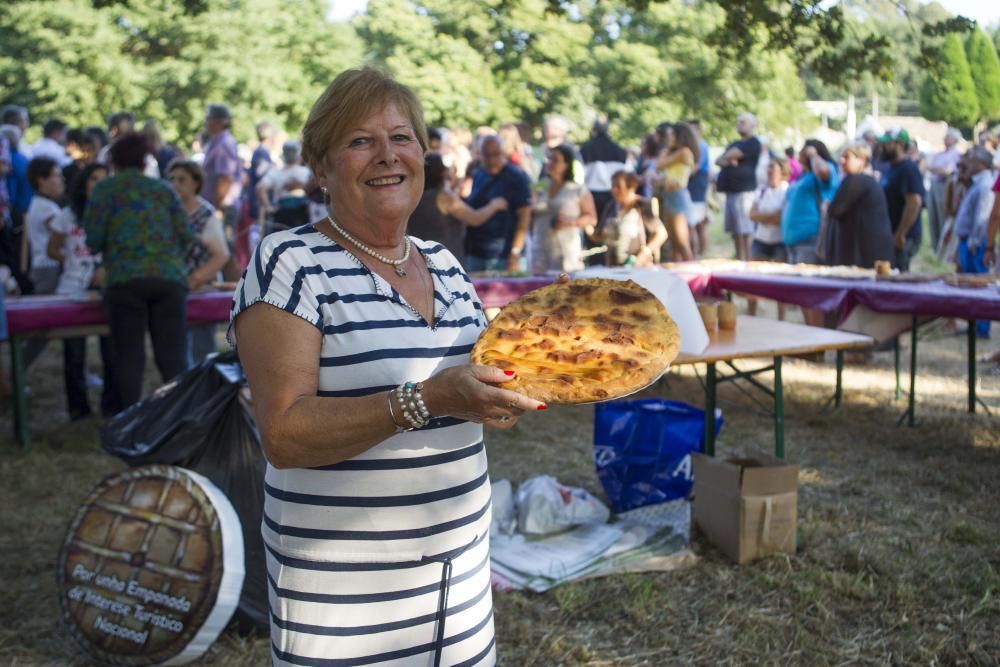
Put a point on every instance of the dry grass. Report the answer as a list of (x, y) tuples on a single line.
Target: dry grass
[(898, 561)]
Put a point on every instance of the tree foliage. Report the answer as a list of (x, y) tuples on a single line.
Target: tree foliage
[(985, 69), (517, 59), (948, 92), (472, 63), (68, 59)]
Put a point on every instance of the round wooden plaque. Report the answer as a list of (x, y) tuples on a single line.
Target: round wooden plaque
[(151, 568)]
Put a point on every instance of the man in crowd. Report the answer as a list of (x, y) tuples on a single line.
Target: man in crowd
[(223, 183), (121, 123), (262, 159), (499, 243), (18, 117), (82, 149), (53, 143), (972, 220), (698, 189), (941, 166), (602, 157), (555, 132), (738, 179), (904, 194)]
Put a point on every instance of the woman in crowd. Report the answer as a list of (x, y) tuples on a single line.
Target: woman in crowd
[(515, 150), (162, 152), (631, 226), (441, 215), (649, 155), (138, 225), (377, 499), (768, 204), (207, 253), (562, 208), (859, 231), (68, 246), (675, 168), (806, 201), (766, 212), (281, 192), (805, 207)]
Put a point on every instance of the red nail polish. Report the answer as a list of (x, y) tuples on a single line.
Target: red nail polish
[(508, 372), (543, 407)]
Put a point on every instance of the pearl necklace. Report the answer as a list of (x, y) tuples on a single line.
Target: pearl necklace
[(397, 264)]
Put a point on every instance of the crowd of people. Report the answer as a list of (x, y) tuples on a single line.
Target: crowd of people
[(117, 208)]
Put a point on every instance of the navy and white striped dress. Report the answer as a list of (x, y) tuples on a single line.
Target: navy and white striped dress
[(382, 559)]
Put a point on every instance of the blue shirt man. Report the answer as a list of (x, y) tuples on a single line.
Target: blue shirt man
[(972, 219), (499, 243)]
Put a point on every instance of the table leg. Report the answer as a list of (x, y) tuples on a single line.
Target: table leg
[(910, 415), (779, 411), (972, 364), (20, 401), (839, 391), (895, 355), (710, 409)]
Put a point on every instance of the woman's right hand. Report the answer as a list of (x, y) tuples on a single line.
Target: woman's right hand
[(475, 393)]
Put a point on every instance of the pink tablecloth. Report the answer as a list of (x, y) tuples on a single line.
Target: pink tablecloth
[(934, 298), (27, 314), (38, 313)]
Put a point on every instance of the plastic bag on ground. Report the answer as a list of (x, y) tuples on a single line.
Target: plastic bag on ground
[(643, 447), (545, 506), (201, 422), (504, 516)]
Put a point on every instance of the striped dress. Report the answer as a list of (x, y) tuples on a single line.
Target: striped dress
[(382, 559)]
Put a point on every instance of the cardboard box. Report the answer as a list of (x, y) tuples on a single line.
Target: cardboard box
[(748, 508)]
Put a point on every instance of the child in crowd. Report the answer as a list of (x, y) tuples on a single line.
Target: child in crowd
[(768, 203)]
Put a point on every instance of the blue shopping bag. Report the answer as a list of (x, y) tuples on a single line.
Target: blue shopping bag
[(643, 447)]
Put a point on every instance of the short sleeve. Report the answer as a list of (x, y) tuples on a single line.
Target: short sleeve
[(212, 230), (829, 188), (520, 191), (64, 222), (280, 274), (914, 182)]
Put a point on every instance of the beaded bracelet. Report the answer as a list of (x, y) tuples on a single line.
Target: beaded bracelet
[(411, 403), (392, 415)]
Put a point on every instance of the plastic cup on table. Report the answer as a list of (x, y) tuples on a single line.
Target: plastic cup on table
[(727, 315), (709, 315)]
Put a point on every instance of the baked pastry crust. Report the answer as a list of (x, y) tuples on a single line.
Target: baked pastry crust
[(583, 341)]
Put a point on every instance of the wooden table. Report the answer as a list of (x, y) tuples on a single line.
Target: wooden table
[(756, 338)]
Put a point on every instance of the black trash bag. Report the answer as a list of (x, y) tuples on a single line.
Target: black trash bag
[(201, 422)]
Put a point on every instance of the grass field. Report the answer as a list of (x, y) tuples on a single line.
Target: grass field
[(899, 534)]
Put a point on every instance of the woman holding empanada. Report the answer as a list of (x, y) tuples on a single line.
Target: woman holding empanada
[(355, 340)]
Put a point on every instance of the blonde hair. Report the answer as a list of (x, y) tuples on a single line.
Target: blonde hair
[(861, 150), (348, 100), (510, 139)]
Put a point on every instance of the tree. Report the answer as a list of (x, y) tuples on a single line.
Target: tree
[(68, 59), (948, 92), (985, 68)]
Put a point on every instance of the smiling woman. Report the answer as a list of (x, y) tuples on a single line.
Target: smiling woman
[(355, 339)]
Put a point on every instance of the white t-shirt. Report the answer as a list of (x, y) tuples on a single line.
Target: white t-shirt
[(78, 263), (277, 180), (770, 200), (41, 214)]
